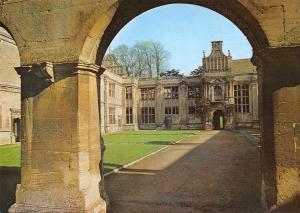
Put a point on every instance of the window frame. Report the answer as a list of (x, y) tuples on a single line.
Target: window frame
[(148, 115), (194, 92), (172, 110), (129, 115), (241, 98), (171, 93), (128, 92), (147, 94), (112, 89), (112, 115)]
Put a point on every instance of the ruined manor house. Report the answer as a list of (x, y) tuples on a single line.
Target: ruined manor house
[(223, 96)]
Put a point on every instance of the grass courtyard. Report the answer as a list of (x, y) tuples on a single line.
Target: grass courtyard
[(121, 148)]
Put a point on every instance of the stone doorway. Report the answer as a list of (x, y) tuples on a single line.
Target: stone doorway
[(218, 120)]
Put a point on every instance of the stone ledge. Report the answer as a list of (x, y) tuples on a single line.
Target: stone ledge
[(24, 208)]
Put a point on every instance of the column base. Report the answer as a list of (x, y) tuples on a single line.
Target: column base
[(24, 208), (58, 200)]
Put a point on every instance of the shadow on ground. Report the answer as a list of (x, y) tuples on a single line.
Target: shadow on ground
[(221, 174), (9, 178)]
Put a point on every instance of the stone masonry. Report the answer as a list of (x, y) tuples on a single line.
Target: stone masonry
[(62, 44)]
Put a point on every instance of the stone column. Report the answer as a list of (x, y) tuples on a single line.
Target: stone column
[(183, 105), (135, 103), (106, 105), (60, 149), (279, 92), (159, 105), (102, 91)]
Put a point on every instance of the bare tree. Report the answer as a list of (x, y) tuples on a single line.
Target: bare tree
[(161, 57), (146, 48), (139, 68), (144, 59), (125, 57)]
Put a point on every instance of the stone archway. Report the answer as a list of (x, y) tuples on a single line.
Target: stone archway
[(60, 104)]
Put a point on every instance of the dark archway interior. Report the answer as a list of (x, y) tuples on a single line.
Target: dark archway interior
[(218, 120)]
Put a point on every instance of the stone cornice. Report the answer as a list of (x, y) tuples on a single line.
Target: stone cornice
[(93, 68), (275, 54)]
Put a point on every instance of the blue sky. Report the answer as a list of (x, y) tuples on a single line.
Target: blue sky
[(185, 31)]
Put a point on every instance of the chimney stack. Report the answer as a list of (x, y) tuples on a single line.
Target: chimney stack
[(217, 46)]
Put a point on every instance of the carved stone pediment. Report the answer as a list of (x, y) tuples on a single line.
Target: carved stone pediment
[(217, 81)]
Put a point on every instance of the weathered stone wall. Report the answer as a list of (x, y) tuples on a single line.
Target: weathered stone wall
[(279, 80)]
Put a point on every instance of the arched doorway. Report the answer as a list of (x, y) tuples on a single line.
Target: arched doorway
[(218, 120)]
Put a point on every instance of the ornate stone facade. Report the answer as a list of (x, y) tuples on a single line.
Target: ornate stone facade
[(224, 95)]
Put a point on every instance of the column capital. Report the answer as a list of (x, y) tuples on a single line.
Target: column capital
[(43, 71), (92, 68), (35, 78)]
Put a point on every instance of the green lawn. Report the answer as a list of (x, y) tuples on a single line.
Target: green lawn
[(125, 147), (121, 148), (10, 155)]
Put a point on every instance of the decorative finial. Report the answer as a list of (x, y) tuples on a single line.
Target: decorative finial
[(229, 53), (203, 54)]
